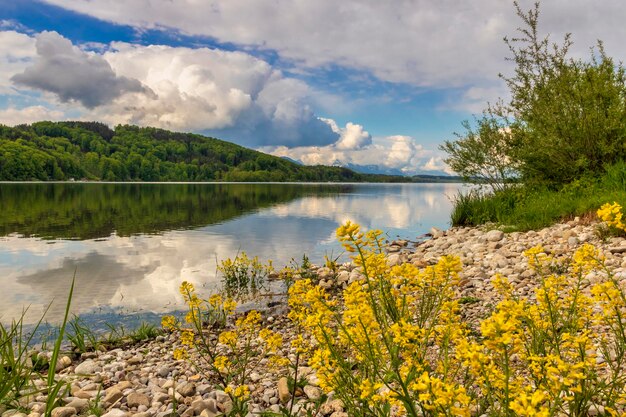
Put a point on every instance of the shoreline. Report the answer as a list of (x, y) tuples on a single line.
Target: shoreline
[(144, 380)]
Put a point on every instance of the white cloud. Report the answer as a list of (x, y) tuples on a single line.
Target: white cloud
[(16, 54), (421, 42), (353, 136), (72, 74), (12, 116), (400, 153), (231, 94)]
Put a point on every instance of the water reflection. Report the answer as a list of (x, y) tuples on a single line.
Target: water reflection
[(140, 271)]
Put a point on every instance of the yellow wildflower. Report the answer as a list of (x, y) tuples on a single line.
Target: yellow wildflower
[(168, 322), (180, 354)]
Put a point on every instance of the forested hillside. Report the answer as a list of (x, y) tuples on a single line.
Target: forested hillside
[(93, 151)]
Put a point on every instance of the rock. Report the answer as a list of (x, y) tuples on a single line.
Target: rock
[(62, 412), (62, 363), (123, 385), (115, 412), (137, 359), (135, 400), (167, 413), (186, 389), (80, 404), (88, 367), (331, 407), (200, 406), (394, 259), (283, 390), (312, 393), (112, 396), (595, 410), (494, 235), (163, 371), (436, 232), (85, 394), (207, 413)]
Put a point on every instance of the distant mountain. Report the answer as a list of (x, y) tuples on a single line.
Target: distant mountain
[(92, 151), (295, 161), (382, 170)]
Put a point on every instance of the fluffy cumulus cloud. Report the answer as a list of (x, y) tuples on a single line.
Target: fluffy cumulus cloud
[(391, 154), (72, 74), (353, 136), (231, 94), (16, 54)]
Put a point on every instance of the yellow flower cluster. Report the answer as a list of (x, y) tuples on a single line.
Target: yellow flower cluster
[(612, 215), (397, 340), (238, 349), (395, 343)]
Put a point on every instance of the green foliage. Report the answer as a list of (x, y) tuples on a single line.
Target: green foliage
[(56, 388), (82, 339), (90, 150), (95, 407), (566, 117), (145, 331), (482, 153), (16, 376), (528, 208), (244, 277)]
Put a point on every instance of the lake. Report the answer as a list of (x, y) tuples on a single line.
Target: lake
[(130, 245)]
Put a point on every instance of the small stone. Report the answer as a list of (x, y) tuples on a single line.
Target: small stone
[(115, 412), (135, 360), (88, 367), (595, 410), (494, 235), (135, 400), (208, 413), (85, 394), (163, 371), (79, 404), (330, 407), (112, 396), (63, 363), (312, 393), (283, 390), (122, 385), (436, 232), (199, 406), (394, 259), (186, 389), (63, 412)]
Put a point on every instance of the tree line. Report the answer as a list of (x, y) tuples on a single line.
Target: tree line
[(93, 151)]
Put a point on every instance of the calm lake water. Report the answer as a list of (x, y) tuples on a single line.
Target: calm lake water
[(131, 245)]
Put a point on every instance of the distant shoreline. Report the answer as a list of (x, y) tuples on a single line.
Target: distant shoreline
[(455, 181)]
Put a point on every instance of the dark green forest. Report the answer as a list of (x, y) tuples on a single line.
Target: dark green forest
[(92, 151)]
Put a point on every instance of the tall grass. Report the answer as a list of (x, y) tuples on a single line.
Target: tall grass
[(19, 369), (526, 208)]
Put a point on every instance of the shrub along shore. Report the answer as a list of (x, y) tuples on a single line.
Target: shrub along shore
[(471, 322)]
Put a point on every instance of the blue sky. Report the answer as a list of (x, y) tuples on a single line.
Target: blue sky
[(360, 82)]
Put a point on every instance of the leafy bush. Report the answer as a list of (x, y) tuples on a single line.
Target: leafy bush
[(566, 117)]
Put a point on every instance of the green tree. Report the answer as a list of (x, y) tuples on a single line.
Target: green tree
[(566, 117)]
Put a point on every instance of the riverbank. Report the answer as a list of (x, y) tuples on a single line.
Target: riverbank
[(145, 380)]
